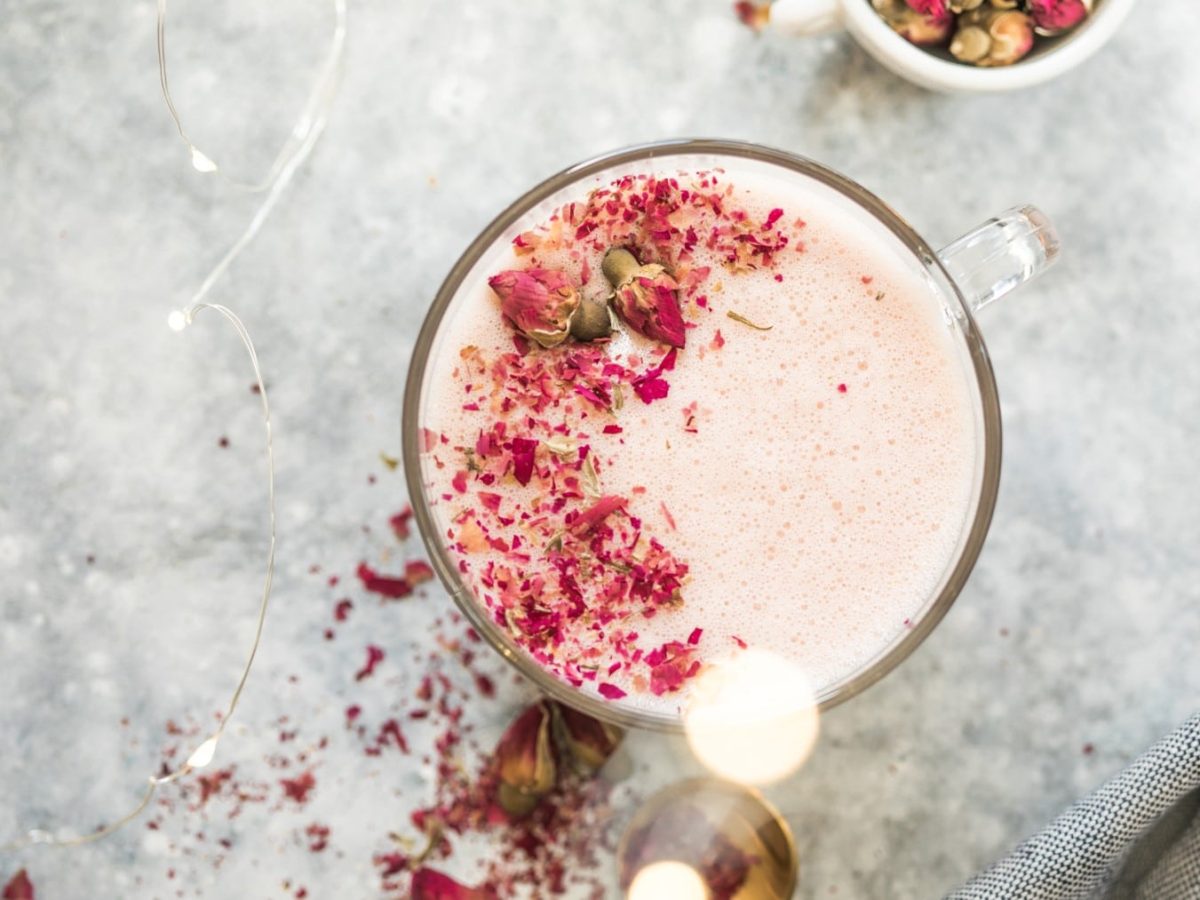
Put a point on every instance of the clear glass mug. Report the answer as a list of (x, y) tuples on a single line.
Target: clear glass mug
[(964, 276)]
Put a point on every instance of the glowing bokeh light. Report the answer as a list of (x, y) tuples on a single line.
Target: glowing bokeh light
[(752, 718), (668, 879)]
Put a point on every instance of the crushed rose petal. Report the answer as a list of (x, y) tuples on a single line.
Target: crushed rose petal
[(375, 656), (18, 888), (385, 585), (298, 788), (400, 523)]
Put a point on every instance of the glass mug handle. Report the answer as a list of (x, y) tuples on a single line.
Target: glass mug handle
[(1002, 253)]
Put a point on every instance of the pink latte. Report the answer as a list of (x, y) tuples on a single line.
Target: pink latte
[(795, 477)]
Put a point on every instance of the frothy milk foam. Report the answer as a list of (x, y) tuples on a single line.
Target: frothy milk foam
[(822, 496)]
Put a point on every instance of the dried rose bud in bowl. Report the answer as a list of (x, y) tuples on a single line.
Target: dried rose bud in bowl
[(990, 36), (926, 23), (982, 32), (979, 46)]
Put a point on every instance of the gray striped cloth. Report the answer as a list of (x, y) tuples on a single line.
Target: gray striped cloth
[(1136, 838)]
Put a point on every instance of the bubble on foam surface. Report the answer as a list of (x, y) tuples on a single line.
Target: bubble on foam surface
[(817, 521)]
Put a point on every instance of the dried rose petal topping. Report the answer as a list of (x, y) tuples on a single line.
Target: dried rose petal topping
[(539, 302), (649, 304), (522, 452), (596, 513), (651, 386), (610, 691), (566, 566), (525, 761), (19, 888), (430, 884), (1056, 15)]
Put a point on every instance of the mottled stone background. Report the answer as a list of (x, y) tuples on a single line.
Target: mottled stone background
[(1074, 645)]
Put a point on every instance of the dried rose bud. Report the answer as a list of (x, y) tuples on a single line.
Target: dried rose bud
[(539, 302), (960, 6), (935, 9), (970, 44), (525, 761), (916, 27), (430, 884), (646, 297), (1052, 17), (591, 321), (619, 265), (589, 741), (992, 37)]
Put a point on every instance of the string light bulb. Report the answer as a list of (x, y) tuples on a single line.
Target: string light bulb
[(304, 131), (203, 754), (202, 163)]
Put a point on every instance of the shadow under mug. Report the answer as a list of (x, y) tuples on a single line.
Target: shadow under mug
[(964, 276)]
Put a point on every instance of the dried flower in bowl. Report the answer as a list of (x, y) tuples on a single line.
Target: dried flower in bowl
[(921, 22), (992, 37), (985, 33), (1051, 17)]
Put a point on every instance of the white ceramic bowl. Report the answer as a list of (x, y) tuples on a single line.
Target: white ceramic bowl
[(1049, 58)]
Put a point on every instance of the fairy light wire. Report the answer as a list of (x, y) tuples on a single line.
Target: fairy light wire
[(203, 754), (306, 128), (304, 135)]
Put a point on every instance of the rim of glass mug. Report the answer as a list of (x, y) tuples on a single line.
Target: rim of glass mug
[(974, 270)]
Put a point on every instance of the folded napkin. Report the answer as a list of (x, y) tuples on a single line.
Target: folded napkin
[(1136, 838)]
